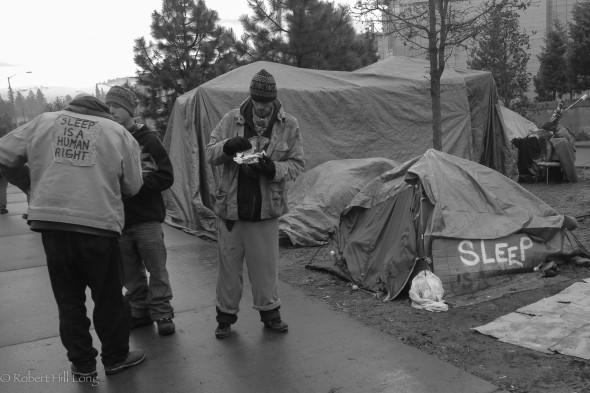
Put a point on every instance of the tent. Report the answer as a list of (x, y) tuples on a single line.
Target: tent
[(317, 197), (514, 125), (472, 223), (383, 110)]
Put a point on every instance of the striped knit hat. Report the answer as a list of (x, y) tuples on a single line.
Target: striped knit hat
[(123, 97), (263, 87)]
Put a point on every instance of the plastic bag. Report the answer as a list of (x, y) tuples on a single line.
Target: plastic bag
[(427, 292)]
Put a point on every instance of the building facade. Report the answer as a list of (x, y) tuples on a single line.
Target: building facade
[(536, 21)]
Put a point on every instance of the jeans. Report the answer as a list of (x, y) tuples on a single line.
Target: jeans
[(143, 249), (3, 187), (76, 261)]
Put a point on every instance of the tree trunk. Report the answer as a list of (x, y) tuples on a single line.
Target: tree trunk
[(436, 113), (435, 73)]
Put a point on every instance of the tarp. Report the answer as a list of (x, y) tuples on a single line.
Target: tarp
[(557, 324), (318, 197), (383, 110), (515, 125), (392, 223)]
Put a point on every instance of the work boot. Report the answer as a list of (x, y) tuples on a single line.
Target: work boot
[(165, 326), (223, 330), (276, 325), (141, 321), (133, 358)]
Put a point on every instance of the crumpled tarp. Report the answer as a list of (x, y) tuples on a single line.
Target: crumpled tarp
[(564, 152), (383, 110), (560, 323), (317, 197), (515, 126)]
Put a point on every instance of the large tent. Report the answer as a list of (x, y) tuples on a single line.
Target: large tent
[(472, 222), (383, 110)]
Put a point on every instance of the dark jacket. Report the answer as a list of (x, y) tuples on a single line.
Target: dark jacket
[(148, 204)]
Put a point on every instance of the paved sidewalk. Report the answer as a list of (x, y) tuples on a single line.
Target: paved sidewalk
[(323, 351)]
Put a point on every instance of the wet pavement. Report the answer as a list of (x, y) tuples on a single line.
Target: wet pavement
[(324, 351)]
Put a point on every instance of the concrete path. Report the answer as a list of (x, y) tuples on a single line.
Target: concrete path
[(323, 351)]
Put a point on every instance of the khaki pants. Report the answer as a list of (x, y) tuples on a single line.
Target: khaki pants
[(258, 242)]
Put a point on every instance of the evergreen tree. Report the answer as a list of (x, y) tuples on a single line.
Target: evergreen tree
[(19, 108), (30, 103), (99, 93), (189, 49), (3, 107), (551, 79), (305, 33), (579, 54), (40, 102), (502, 49), (5, 123), (56, 105)]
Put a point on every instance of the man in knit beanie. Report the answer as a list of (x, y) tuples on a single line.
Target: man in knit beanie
[(263, 87), (248, 206), (123, 97), (142, 242)]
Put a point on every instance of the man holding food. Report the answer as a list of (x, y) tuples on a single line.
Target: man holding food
[(250, 197)]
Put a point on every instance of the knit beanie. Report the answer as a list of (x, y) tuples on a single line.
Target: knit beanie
[(123, 97), (263, 87)]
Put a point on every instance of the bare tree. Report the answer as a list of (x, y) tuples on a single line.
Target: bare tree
[(434, 28)]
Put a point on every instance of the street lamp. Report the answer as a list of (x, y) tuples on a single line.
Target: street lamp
[(11, 94)]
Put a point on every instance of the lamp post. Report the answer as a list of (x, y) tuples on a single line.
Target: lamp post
[(11, 95)]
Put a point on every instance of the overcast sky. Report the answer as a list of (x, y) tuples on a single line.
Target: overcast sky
[(77, 43)]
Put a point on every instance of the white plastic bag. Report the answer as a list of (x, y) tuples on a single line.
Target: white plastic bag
[(427, 292)]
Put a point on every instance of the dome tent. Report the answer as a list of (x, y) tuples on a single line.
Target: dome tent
[(472, 222)]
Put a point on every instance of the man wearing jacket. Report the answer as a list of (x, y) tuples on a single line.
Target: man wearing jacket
[(250, 198), (142, 244), (80, 165)]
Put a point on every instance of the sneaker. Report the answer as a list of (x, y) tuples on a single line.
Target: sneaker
[(3, 211), (83, 374), (276, 325), (133, 358), (165, 326), (223, 330), (139, 322)]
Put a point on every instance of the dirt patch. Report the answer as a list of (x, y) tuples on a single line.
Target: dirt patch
[(448, 335)]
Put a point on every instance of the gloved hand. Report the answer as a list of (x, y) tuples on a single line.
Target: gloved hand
[(266, 166), (236, 145)]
